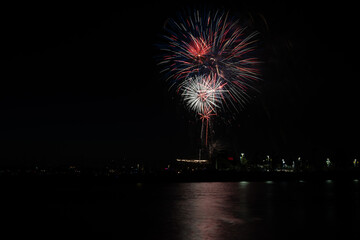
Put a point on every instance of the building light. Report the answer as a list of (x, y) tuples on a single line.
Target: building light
[(192, 160), (328, 162)]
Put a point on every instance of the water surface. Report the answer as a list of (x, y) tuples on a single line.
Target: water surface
[(199, 210)]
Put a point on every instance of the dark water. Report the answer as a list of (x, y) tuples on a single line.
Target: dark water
[(201, 210)]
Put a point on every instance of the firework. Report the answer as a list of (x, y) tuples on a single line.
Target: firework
[(211, 44), (203, 94), (208, 60)]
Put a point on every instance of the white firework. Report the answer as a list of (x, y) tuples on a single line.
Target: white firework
[(203, 95)]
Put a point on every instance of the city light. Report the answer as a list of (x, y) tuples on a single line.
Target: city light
[(192, 160), (328, 162), (243, 183)]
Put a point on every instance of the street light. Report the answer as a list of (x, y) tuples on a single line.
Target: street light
[(328, 162), (268, 159)]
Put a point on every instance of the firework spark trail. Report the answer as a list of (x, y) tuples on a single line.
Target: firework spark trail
[(207, 59), (204, 95)]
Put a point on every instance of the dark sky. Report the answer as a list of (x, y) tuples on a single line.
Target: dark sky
[(82, 82)]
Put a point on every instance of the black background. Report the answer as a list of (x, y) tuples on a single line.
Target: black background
[(81, 82)]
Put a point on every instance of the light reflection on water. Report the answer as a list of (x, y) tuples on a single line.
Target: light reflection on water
[(199, 210), (218, 210), (208, 209), (259, 210)]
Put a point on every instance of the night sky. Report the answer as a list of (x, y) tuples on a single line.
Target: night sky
[(81, 82)]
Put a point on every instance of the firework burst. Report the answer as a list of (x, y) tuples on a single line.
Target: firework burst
[(203, 94), (211, 44), (208, 60)]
